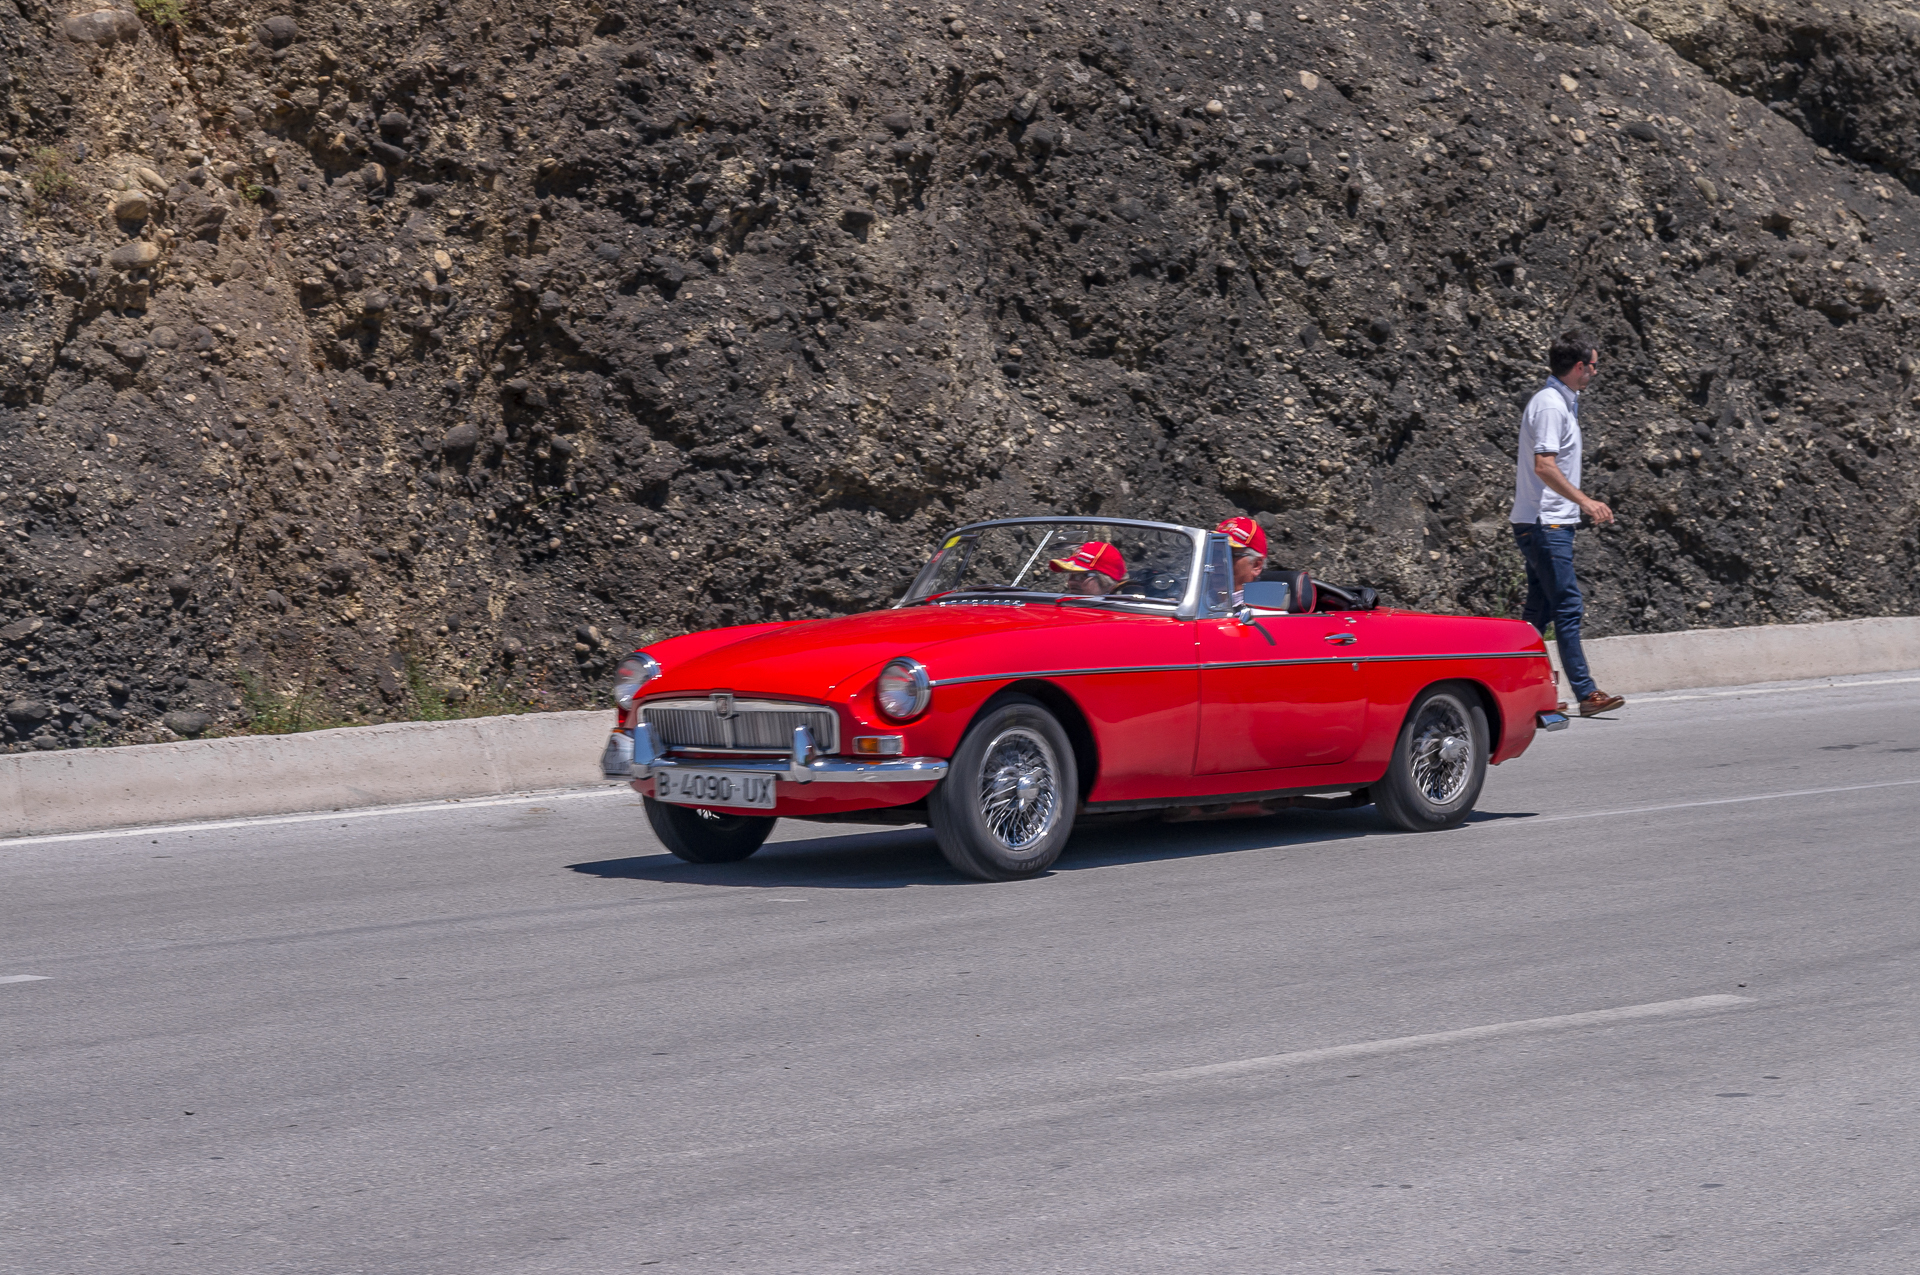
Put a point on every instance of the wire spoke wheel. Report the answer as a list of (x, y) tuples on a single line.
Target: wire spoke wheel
[(1439, 761), (1019, 788), (1007, 805), (1442, 752)]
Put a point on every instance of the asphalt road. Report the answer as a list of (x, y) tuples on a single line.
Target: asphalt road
[(517, 1037)]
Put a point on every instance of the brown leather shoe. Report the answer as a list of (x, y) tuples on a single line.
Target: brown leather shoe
[(1600, 702)]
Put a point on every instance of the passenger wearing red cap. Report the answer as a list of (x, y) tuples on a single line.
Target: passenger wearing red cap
[(1249, 543), (1094, 569)]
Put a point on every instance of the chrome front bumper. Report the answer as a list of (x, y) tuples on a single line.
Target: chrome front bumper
[(804, 765)]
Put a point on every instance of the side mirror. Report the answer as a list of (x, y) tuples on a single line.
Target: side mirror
[(1243, 614)]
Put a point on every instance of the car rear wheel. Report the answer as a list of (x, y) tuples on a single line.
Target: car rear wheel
[(1006, 807), (706, 836), (1439, 762)]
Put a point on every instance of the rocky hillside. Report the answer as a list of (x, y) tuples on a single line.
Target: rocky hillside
[(384, 354)]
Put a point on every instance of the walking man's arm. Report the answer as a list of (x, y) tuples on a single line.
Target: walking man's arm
[(1547, 466)]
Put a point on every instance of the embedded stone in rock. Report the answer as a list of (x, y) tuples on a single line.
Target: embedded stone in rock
[(132, 353), (201, 218), (375, 302), (459, 443), (277, 32), (1309, 336), (137, 255), (898, 121), (187, 721), (1042, 140), (1381, 329), (101, 26), (164, 337), (1708, 191), (131, 205), (1309, 81), (1644, 131), (1216, 108), (552, 303), (27, 714), (394, 124), (858, 216), (1130, 210), (179, 588), (1298, 157)]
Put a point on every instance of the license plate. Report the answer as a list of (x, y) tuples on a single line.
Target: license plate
[(714, 788)]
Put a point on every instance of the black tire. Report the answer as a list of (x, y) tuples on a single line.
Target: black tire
[(1430, 783), (706, 836), (1006, 807)]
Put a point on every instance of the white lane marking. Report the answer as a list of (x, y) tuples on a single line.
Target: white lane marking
[(1772, 690), (1723, 801), (24, 978), (364, 812), (1404, 1044)]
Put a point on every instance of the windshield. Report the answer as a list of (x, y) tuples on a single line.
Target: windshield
[(1075, 557)]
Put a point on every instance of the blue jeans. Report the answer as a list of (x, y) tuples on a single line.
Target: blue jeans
[(1553, 594)]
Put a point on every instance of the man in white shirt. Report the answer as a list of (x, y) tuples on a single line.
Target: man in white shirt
[(1547, 505)]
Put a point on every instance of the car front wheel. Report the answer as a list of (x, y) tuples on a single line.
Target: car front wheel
[(1439, 762), (706, 836), (1006, 807)]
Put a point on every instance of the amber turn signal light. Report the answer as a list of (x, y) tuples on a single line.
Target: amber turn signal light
[(879, 745)]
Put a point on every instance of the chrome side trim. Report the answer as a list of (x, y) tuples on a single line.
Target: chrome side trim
[(1191, 668), (1066, 672)]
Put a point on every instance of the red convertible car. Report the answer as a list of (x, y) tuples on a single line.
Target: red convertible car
[(1011, 693)]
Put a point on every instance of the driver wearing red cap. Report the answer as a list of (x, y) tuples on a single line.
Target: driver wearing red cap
[(1249, 543), (1094, 569)]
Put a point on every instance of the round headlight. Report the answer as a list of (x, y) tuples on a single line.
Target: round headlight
[(903, 690), (634, 672)]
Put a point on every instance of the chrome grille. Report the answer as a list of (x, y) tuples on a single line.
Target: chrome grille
[(754, 726)]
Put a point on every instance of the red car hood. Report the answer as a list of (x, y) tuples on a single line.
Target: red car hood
[(812, 657)]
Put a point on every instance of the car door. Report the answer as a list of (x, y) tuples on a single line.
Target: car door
[(1299, 700)]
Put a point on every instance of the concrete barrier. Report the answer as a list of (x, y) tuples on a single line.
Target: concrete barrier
[(1645, 662), (81, 789), (74, 790)]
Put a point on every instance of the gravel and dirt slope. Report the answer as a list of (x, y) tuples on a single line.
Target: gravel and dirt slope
[(444, 349)]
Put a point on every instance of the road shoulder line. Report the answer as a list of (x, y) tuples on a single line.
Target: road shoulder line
[(1406, 1044)]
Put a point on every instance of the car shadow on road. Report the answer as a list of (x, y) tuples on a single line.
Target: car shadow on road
[(894, 858)]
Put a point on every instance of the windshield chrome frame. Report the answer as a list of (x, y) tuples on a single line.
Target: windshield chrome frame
[(1189, 605)]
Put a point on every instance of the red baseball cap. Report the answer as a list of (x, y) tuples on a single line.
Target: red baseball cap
[(1244, 533), (1095, 555)]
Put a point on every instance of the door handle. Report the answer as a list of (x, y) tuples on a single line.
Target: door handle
[(1342, 638)]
